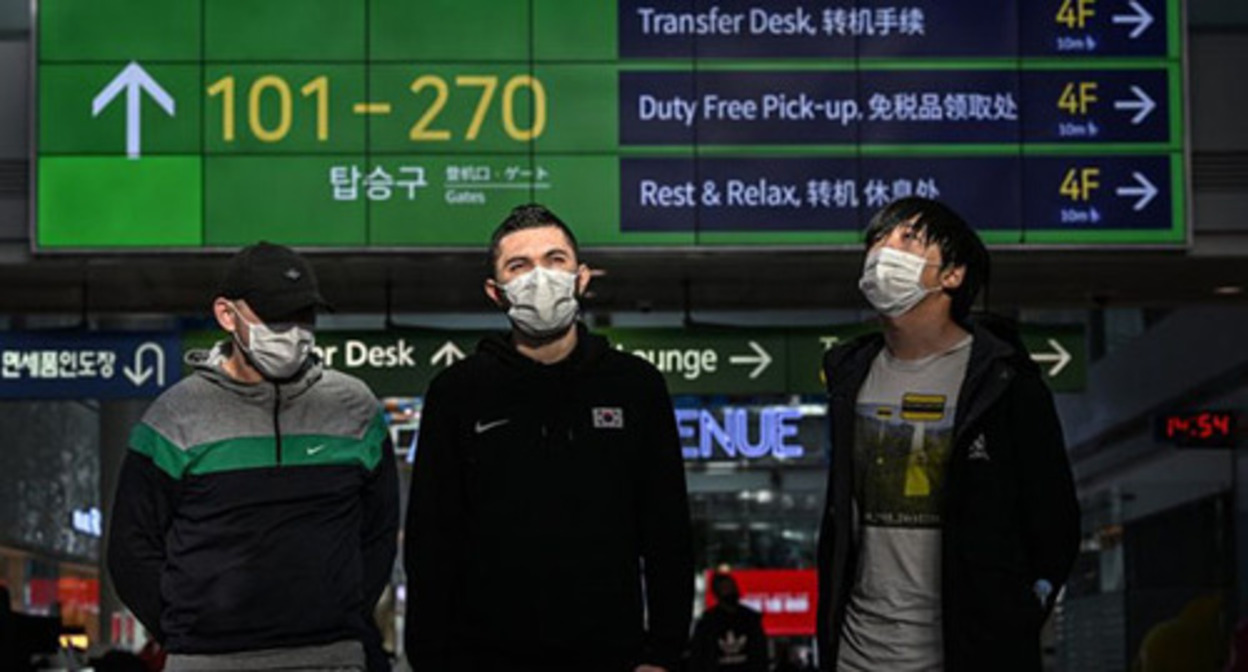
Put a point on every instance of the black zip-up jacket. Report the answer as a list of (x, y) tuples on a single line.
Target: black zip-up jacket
[(252, 517), (1009, 519), (542, 496)]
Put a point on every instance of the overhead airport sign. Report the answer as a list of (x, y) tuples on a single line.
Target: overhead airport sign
[(693, 361), (384, 125)]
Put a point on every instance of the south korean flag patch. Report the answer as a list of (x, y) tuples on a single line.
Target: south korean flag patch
[(608, 418)]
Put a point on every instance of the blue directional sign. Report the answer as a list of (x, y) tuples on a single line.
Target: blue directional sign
[(87, 365), (1011, 199), (892, 28), (914, 107), (1043, 122)]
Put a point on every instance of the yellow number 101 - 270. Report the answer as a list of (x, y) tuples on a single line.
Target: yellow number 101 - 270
[(267, 89)]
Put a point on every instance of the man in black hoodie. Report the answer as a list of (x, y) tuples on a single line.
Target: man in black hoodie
[(951, 520), (548, 524)]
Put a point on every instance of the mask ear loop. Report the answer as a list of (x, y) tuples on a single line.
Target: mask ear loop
[(239, 320), (238, 342)]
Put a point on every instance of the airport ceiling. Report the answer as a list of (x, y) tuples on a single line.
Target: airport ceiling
[(1035, 279)]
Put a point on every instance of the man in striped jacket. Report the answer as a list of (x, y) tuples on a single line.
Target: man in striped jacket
[(255, 521)]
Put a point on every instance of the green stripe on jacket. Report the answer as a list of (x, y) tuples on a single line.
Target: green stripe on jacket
[(258, 452)]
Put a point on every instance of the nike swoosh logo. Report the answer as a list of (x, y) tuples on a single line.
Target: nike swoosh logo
[(316, 449), (482, 428)]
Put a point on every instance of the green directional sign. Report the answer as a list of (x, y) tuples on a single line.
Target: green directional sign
[(398, 362), (1059, 350), (402, 362), (1062, 355), (705, 362)]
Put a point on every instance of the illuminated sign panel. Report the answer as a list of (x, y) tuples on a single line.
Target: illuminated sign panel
[(390, 124), (1198, 429), (735, 436)]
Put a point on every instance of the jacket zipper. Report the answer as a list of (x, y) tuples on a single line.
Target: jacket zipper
[(277, 425), (986, 394)]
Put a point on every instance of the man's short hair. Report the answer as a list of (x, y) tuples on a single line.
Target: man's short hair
[(527, 216), (939, 225)]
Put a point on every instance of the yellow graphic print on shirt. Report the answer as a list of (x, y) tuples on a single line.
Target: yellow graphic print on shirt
[(902, 451)]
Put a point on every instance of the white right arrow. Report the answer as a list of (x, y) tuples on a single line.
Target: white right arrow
[(447, 355), (140, 373), (1059, 358), (1142, 104), (761, 359), (1141, 19), (134, 80), (1145, 191)]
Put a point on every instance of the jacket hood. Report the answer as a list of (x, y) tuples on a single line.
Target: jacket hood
[(210, 365), (996, 338), (1005, 339)]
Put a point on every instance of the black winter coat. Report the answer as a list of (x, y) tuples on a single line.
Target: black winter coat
[(1008, 520)]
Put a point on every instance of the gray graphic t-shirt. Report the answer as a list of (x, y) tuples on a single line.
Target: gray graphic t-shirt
[(903, 441)]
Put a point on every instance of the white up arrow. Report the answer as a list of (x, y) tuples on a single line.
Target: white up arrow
[(447, 355), (1142, 104), (1144, 190), (761, 359), (1059, 358), (134, 80), (140, 373), (1141, 19)]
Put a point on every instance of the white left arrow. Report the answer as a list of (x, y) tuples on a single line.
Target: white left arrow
[(1143, 190), (1141, 19), (134, 80), (1059, 358), (1142, 104), (140, 372), (761, 359)]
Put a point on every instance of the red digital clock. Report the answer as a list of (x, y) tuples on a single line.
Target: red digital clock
[(1198, 429)]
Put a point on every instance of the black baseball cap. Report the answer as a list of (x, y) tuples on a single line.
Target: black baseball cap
[(274, 280)]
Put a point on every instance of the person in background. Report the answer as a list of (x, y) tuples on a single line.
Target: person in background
[(729, 636)]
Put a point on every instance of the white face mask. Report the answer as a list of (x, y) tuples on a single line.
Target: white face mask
[(277, 355), (892, 281), (543, 302)]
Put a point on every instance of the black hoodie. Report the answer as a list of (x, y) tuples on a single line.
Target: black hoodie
[(548, 519), (1010, 515)]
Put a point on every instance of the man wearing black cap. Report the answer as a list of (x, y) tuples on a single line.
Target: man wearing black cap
[(255, 521)]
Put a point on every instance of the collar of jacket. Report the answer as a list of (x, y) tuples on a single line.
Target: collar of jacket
[(210, 365), (996, 352), (589, 349)]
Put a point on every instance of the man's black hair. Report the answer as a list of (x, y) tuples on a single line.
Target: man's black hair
[(528, 216), (939, 225)]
